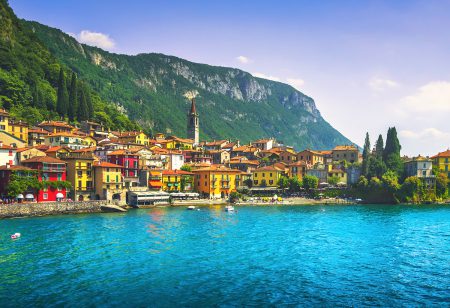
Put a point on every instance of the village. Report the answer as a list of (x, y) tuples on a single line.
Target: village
[(56, 161)]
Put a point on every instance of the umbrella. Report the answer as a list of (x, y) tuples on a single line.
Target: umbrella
[(19, 196), (341, 183), (59, 195)]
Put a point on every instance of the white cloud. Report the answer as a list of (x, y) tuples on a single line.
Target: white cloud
[(432, 97), (295, 82), (381, 85), (95, 39), (430, 132), (261, 75), (243, 59)]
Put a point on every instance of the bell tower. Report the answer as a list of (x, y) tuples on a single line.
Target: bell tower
[(193, 129)]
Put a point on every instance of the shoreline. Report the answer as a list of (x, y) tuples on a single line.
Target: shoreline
[(21, 210)]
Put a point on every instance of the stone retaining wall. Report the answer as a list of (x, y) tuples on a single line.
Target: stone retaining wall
[(50, 208)]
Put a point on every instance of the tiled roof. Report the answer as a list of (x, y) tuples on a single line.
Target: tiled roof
[(3, 112), (7, 147), (217, 168), (215, 143), (56, 124), (15, 167), (38, 131), (345, 148), (43, 159), (176, 172), (268, 168), (104, 164), (442, 154), (91, 149)]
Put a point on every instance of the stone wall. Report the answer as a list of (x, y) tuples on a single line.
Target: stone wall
[(50, 208)]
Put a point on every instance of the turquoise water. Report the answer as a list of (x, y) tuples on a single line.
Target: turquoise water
[(298, 255)]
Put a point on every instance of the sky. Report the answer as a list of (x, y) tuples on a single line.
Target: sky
[(368, 65)]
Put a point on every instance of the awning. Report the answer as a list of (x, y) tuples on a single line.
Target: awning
[(29, 196), (59, 195), (19, 196)]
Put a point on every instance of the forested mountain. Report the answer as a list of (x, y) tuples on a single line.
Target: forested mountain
[(150, 88)]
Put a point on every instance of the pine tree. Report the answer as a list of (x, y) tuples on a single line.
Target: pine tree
[(366, 156), (73, 98), (83, 112), (379, 147), (62, 102)]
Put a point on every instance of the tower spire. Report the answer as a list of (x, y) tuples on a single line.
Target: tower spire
[(193, 129), (193, 110)]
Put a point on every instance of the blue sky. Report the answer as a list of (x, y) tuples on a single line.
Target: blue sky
[(367, 64)]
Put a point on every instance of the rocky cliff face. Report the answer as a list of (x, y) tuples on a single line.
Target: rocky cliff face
[(232, 103)]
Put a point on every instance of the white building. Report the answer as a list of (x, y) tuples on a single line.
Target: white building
[(8, 155)]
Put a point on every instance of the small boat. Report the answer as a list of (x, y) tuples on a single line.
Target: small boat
[(229, 208), (15, 236), (191, 207)]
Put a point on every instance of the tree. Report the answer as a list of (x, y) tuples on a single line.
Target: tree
[(248, 183), (83, 112), (411, 189), (441, 186), (72, 112), (310, 182), (391, 153), (333, 180), (362, 184), (379, 148), (366, 156), (283, 183), (62, 102), (186, 168), (294, 184)]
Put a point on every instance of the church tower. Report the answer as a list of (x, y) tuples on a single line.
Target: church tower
[(192, 124)]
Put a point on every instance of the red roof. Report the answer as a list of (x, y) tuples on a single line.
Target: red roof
[(193, 111), (176, 172), (14, 167), (107, 165), (43, 159), (442, 154)]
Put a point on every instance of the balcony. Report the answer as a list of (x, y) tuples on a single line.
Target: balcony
[(53, 169)]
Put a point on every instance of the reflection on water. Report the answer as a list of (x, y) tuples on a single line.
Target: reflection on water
[(308, 255)]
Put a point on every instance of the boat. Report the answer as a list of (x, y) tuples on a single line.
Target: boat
[(191, 207), (229, 208), (15, 236)]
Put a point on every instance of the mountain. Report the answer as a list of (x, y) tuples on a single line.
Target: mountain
[(30, 76), (150, 88)]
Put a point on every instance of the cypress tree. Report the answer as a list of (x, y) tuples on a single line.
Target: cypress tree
[(83, 112), (90, 106), (73, 98), (62, 102), (391, 153), (366, 156), (379, 147)]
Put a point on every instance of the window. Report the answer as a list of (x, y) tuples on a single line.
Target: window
[(270, 182), (45, 196), (59, 176), (107, 179), (117, 178), (206, 183), (79, 173), (79, 185), (424, 165), (256, 182), (263, 175), (270, 174), (424, 173)]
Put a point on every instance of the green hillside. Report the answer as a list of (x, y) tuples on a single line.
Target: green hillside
[(30, 77)]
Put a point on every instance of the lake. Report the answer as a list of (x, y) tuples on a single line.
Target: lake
[(279, 255)]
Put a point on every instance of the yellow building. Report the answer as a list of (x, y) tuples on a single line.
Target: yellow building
[(18, 129), (133, 138), (341, 174), (80, 173), (310, 157), (90, 141), (177, 180), (173, 142), (267, 176), (442, 162), (57, 127), (4, 120), (298, 169), (216, 181), (348, 153), (108, 182)]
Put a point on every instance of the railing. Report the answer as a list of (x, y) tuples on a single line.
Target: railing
[(53, 169)]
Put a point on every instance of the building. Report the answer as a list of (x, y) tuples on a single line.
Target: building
[(80, 173), (175, 159), (248, 151), (216, 181), (136, 138), (339, 173), (36, 136), (219, 156), (7, 172), (311, 157), (56, 127), (298, 169), (49, 169), (348, 153), (18, 129), (320, 171), (287, 157), (12, 140), (243, 164), (353, 174), (27, 153), (177, 143), (442, 162), (108, 182), (177, 180), (264, 144), (421, 167), (193, 128), (63, 139), (130, 163), (215, 145), (4, 120), (93, 129), (8, 154), (267, 176)]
